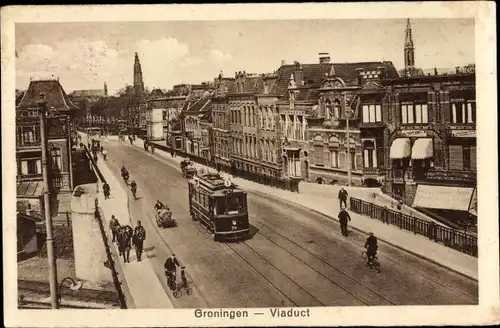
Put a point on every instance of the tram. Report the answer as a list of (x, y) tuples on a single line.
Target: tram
[(219, 206)]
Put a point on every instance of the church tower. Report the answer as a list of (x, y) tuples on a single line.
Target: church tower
[(105, 89), (138, 83), (409, 50)]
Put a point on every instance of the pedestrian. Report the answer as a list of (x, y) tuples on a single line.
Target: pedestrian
[(95, 157), (170, 266), (104, 154), (106, 190), (114, 225), (344, 218), (81, 145), (152, 149), (343, 197), (138, 240)]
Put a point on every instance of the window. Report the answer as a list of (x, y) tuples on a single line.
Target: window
[(369, 154), (164, 113), (30, 166), (417, 113), (318, 155), (55, 154), (463, 112), (462, 156), (328, 107), (336, 109), (334, 158), (372, 113)]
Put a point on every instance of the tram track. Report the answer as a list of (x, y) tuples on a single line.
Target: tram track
[(282, 240), (343, 273), (386, 258)]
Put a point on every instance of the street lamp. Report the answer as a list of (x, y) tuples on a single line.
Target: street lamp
[(46, 200), (74, 286)]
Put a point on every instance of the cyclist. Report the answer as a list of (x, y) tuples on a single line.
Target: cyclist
[(170, 266), (371, 247)]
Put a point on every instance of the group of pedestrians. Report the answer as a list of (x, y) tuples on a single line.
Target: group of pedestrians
[(126, 237)]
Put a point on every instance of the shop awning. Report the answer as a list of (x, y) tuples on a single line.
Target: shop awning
[(400, 148), (422, 149), (441, 197), (31, 189)]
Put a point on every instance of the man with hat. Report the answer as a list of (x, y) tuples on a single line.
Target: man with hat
[(138, 239)]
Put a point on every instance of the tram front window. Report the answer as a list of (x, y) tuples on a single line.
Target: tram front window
[(229, 205)]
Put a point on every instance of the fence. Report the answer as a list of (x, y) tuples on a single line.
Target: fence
[(277, 182), (458, 240), (110, 262)]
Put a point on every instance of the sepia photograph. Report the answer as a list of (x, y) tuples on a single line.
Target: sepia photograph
[(243, 171)]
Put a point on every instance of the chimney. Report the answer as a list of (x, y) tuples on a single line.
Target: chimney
[(359, 72), (381, 70), (283, 62), (324, 58)]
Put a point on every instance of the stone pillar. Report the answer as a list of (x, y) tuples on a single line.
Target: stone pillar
[(90, 253)]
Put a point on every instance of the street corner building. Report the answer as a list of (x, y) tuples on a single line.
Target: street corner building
[(61, 142)]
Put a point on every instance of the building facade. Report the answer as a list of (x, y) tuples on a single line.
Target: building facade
[(28, 142), (432, 132), (246, 151), (221, 121)]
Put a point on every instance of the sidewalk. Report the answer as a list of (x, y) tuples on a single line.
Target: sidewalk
[(415, 244), (143, 283)]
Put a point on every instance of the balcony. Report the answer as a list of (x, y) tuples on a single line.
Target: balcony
[(20, 143)]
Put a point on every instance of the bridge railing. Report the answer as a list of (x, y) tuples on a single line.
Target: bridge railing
[(459, 240)]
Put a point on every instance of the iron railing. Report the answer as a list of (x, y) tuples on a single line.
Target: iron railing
[(452, 238)]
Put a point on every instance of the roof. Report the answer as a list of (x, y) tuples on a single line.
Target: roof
[(213, 183), (54, 95), (31, 189), (311, 75), (88, 93), (198, 105)]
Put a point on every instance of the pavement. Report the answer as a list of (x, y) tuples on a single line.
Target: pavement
[(295, 256), (143, 283), (415, 244)]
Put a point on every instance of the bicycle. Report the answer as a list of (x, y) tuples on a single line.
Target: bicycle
[(183, 284), (374, 263), (171, 280)]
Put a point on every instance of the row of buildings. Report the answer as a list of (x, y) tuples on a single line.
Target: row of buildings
[(409, 132)]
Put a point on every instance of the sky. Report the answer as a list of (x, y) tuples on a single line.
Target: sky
[(85, 55)]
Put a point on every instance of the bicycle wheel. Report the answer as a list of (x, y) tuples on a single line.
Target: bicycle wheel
[(177, 294)]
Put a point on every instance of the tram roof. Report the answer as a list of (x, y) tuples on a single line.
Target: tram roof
[(213, 182)]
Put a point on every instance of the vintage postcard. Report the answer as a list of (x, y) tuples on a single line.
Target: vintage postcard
[(250, 165)]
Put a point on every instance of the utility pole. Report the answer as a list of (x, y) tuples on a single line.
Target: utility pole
[(348, 115), (48, 213)]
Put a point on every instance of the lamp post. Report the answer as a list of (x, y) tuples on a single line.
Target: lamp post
[(348, 115), (48, 213)]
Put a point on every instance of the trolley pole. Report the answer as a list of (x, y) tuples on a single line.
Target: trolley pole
[(48, 213), (348, 115)]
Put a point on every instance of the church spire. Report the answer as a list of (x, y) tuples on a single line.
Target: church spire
[(138, 83), (409, 49)]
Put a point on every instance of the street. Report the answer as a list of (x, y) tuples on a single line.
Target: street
[(295, 257)]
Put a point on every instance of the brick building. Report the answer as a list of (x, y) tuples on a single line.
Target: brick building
[(197, 108), (243, 109), (221, 119), (432, 132), (317, 101), (28, 141)]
